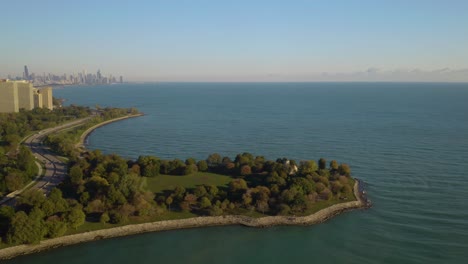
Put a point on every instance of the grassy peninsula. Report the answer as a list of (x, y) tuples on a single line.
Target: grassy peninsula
[(108, 191)]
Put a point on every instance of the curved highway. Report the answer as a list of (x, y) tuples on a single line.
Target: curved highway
[(55, 169)]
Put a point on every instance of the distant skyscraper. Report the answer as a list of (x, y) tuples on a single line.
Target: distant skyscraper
[(99, 76), (26, 72), (121, 79)]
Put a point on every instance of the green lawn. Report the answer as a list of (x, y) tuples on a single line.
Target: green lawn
[(169, 182)]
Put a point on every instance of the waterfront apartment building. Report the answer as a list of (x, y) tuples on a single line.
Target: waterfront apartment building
[(37, 98), (47, 98), (25, 95), (16, 95), (8, 97)]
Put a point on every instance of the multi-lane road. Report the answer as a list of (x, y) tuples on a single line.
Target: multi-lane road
[(55, 168)]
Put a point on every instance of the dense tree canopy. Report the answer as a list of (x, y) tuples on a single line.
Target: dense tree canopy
[(17, 164), (112, 190)]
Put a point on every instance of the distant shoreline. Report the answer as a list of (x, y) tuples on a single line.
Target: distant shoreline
[(55, 85), (194, 222)]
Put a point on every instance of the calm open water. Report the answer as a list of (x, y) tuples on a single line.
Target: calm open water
[(408, 142)]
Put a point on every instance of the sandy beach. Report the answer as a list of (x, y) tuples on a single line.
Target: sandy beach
[(195, 222)]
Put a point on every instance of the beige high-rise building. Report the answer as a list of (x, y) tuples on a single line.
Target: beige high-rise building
[(8, 97), (25, 95), (37, 99), (15, 95), (47, 98)]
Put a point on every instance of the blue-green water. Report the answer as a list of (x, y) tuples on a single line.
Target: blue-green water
[(408, 142)]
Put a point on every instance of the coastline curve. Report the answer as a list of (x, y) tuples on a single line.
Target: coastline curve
[(194, 222), (87, 132)]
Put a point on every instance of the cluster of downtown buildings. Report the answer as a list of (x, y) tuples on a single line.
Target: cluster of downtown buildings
[(82, 78), (16, 95)]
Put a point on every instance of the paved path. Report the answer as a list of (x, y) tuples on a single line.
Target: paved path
[(55, 169)]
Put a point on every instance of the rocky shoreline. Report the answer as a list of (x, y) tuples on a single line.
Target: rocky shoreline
[(205, 221), (81, 142)]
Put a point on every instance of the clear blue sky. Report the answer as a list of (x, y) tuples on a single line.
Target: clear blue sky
[(200, 40)]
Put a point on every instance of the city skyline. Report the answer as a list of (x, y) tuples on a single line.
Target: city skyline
[(82, 77), (242, 40)]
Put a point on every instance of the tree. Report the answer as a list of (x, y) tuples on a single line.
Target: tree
[(179, 193), (244, 159), (215, 210), (200, 191), (288, 195), (343, 179), (304, 185), (95, 206), (346, 189), (27, 228), (246, 170), (76, 174), (326, 194), (190, 161), (299, 203), (76, 217), (202, 166), (48, 207), (319, 187), (205, 203), (283, 209), (333, 165), (189, 169), (184, 206), (322, 164), (18, 231), (237, 185), (150, 166), (324, 172), (247, 199), (169, 201), (55, 227), (104, 218), (84, 198), (115, 196), (214, 159), (191, 199), (336, 187), (26, 163), (143, 203), (307, 167), (344, 169), (116, 217), (6, 213), (274, 178), (229, 166), (176, 167), (33, 198), (262, 206), (13, 181), (226, 160), (212, 190)]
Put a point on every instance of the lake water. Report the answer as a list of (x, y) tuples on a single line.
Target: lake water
[(407, 141)]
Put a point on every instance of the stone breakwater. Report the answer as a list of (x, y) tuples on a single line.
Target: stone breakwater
[(88, 131), (204, 221)]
